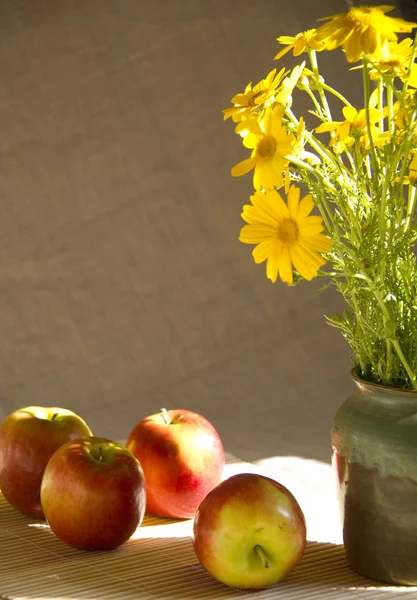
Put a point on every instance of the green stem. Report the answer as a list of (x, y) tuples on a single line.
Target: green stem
[(262, 555), (315, 68), (405, 364), (303, 165), (412, 196), (381, 103), (390, 105), (321, 150), (313, 98), (367, 95), (326, 213), (358, 314), (335, 93), (387, 322), (382, 227), (359, 168)]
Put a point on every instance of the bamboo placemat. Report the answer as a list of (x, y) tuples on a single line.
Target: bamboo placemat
[(158, 562)]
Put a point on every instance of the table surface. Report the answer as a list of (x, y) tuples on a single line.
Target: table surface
[(158, 562)]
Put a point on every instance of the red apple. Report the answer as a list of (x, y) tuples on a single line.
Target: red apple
[(28, 438), (182, 457), (249, 532), (93, 494)]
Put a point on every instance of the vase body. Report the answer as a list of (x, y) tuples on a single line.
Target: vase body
[(374, 441)]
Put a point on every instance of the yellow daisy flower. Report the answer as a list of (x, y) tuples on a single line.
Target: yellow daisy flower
[(286, 234), (411, 177), (254, 96), (299, 149), (363, 29), (412, 76), (353, 125), (284, 93), (402, 112), (270, 144), (338, 147), (395, 61), (307, 80), (299, 44)]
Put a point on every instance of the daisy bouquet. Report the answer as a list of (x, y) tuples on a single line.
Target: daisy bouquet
[(356, 168)]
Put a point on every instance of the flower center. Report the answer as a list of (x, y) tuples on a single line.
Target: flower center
[(267, 146), (306, 36), (288, 232), (251, 98), (364, 16)]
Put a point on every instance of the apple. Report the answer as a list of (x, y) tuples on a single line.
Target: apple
[(249, 532), (28, 438), (183, 459), (93, 494)]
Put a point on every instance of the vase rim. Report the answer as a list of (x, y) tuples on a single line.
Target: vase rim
[(370, 385)]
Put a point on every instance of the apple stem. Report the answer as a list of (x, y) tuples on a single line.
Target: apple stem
[(54, 416), (261, 553), (165, 416), (100, 452)]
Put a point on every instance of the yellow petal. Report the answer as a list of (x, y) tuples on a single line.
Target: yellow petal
[(286, 39), (275, 127), (333, 34), (240, 99), (293, 200), (228, 112), (316, 243), (373, 98), (268, 175), (287, 179), (353, 48), (330, 126), (384, 8), (285, 266), (412, 77), (343, 131), (271, 202), (370, 40), (349, 112), (282, 52), (272, 267), (263, 250), (252, 214), (250, 141), (299, 46), (311, 260), (302, 264), (310, 226), (243, 167), (254, 234), (250, 125), (268, 79), (305, 207)]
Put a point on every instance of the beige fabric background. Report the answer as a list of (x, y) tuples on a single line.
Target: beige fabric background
[(123, 287)]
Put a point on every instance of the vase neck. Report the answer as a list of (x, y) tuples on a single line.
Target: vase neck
[(389, 399)]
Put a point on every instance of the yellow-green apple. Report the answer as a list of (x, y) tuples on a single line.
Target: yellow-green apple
[(93, 494), (249, 532), (28, 438), (183, 459)]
